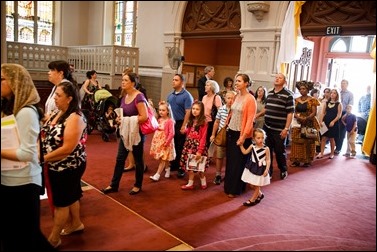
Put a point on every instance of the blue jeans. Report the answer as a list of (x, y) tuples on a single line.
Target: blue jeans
[(138, 152)]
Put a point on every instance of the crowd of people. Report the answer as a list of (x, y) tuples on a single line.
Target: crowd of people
[(258, 123)]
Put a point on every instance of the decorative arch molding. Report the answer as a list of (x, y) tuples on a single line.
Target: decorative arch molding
[(212, 19), (354, 17)]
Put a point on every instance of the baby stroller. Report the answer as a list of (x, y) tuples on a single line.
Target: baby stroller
[(95, 112)]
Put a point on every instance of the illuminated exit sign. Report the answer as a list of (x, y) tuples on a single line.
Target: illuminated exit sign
[(333, 30)]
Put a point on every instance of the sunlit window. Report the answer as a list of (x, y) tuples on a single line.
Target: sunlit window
[(125, 23), (30, 21), (354, 44)]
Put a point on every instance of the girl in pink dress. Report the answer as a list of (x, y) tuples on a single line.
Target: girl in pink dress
[(162, 145)]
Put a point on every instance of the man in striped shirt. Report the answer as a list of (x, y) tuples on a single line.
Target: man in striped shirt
[(279, 109)]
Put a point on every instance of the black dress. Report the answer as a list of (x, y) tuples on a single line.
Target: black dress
[(331, 113)]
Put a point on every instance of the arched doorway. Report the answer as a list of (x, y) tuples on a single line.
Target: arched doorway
[(211, 34)]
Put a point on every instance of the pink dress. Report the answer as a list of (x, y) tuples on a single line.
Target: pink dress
[(162, 145)]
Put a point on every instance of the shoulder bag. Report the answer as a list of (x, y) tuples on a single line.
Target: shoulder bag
[(151, 124), (220, 138)]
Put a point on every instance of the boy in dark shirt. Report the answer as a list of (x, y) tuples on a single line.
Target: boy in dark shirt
[(350, 122)]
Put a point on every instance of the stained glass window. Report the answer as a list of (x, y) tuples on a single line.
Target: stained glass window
[(30, 21), (125, 23)]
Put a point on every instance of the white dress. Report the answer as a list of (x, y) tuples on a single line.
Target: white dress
[(252, 179)]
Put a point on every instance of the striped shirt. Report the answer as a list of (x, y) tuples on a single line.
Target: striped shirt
[(222, 115), (278, 106)]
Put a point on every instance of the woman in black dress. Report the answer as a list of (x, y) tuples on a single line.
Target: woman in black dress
[(330, 117)]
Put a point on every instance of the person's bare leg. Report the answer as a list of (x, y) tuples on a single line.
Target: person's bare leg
[(61, 215)]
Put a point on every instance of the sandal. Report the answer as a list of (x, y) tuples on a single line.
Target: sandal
[(319, 156)]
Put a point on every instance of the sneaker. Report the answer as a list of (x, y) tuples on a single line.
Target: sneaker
[(346, 154), (155, 177), (283, 175), (181, 173), (167, 173), (217, 180), (353, 155)]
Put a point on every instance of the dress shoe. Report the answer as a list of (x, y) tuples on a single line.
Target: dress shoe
[(231, 195), (283, 175), (331, 157), (306, 164), (109, 189), (249, 203), (204, 186), (181, 173), (129, 168), (319, 156), (68, 232), (187, 187), (132, 192), (259, 199)]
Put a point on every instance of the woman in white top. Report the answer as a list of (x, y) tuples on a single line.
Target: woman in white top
[(21, 186), (59, 71)]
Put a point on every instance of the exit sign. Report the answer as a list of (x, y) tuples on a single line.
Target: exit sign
[(333, 30)]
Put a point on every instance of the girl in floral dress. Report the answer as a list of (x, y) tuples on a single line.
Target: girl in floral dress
[(195, 143), (162, 146)]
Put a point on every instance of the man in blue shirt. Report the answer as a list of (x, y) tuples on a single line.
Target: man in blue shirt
[(180, 101)]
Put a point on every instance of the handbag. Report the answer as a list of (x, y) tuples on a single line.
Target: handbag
[(310, 133), (220, 138), (256, 168), (151, 124), (213, 110)]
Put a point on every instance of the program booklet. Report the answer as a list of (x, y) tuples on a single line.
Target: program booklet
[(193, 165)]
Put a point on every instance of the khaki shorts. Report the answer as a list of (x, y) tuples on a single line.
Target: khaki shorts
[(220, 152)]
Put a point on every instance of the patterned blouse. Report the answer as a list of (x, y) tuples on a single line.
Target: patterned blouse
[(52, 138)]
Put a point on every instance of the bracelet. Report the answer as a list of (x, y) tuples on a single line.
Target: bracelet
[(286, 129)]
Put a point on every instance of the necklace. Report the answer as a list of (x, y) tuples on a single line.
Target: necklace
[(331, 105)]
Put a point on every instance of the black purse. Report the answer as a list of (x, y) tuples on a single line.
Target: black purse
[(213, 110), (254, 167)]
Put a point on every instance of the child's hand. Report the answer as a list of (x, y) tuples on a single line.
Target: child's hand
[(198, 156)]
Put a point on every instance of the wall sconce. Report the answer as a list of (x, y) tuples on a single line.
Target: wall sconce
[(258, 8)]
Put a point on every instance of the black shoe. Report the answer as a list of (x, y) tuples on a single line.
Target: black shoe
[(259, 199), (283, 175), (109, 189), (249, 203), (132, 192), (217, 180), (181, 173)]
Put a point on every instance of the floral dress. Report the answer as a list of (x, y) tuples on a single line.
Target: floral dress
[(303, 149), (195, 142), (164, 134)]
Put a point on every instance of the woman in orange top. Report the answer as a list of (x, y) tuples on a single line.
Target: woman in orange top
[(240, 130)]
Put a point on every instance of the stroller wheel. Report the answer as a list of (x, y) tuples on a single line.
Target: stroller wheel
[(105, 137)]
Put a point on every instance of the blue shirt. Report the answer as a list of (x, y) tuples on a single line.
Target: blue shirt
[(179, 102)]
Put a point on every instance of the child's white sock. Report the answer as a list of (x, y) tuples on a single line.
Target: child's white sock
[(190, 183), (203, 181)]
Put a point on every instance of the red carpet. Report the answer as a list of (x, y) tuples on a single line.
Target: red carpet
[(328, 206)]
